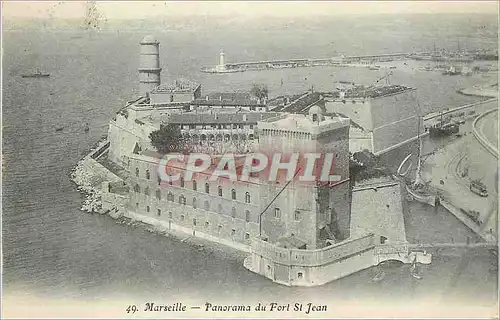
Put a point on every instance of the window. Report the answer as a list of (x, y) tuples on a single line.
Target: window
[(137, 205), (247, 236), (136, 172), (219, 229), (277, 213), (207, 224), (300, 275), (194, 203), (137, 189), (170, 196), (159, 180), (233, 212), (297, 215), (233, 232), (194, 185), (207, 188), (158, 194), (182, 200), (170, 215), (233, 194), (194, 222), (247, 216), (220, 191), (206, 205), (148, 175), (315, 117), (159, 212), (247, 197), (147, 208), (219, 208), (146, 191), (182, 182), (251, 126), (182, 217)]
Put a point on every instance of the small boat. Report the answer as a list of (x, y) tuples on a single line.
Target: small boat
[(392, 67), (374, 67), (37, 74), (87, 127), (415, 270), (59, 129)]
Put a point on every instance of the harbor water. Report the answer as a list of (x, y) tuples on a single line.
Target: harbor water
[(54, 250)]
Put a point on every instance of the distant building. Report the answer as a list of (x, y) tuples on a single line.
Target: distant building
[(230, 100)]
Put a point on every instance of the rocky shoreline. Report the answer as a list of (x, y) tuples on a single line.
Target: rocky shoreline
[(89, 184)]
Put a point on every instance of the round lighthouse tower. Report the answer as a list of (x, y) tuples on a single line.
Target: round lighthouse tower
[(149, 69)]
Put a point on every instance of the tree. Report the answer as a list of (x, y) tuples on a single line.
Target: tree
[(260, 91), (168, 139)]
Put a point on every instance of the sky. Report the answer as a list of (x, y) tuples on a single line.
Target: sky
[(144, 9)]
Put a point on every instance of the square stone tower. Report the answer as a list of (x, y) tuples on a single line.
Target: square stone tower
[(303, 213)]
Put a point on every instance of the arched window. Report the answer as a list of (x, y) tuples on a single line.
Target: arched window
[(233, 194), (207, 188), (148, 175), (182, 200), (233, 212), (158, 194), (137, 189), (206, 205), (247, 216), (277, 213), (146, 191), (247, 197), (170, 196), (136, 172), (182, 182), (220, 191), (194, 203), (194, 185)]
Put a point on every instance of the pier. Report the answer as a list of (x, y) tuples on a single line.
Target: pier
[(339, 61)]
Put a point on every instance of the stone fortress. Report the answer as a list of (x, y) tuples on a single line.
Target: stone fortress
[(294, 233)]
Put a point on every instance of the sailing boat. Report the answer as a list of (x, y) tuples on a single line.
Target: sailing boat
[(418, 189), (415, 270)]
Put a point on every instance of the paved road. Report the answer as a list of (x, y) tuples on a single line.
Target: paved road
[(488, 126)]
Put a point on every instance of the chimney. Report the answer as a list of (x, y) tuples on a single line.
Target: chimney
[(220, 98), (206, 98)]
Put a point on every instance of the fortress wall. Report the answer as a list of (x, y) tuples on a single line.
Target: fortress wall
[(123, 134), (393, 134), (358, 110), (392, 108)]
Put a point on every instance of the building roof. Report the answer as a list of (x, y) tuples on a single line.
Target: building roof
[(302, 123), (179, 86), (372, 91), (301, 104), (229, 98), (220, 118)]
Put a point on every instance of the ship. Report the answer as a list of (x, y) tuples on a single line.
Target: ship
[(452, 71), (37, 74), (441, 129), (417, 189)]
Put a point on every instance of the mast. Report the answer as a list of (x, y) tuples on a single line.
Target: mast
[(418, 179)]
